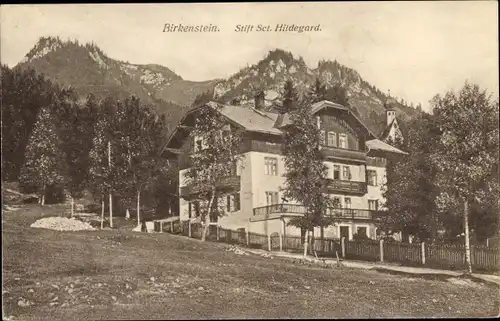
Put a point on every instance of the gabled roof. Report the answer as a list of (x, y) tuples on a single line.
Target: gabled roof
[(244, 117), (323, 105), (270, 123), (377, 144), (387, 130)]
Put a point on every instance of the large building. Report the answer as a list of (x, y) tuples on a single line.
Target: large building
[(355, 157)]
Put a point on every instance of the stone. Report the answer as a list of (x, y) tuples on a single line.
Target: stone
[(113, 298), (31, 291)]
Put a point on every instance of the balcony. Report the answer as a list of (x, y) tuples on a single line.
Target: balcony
[(344, 154), (229, 183), (347, 187), (297, 210)]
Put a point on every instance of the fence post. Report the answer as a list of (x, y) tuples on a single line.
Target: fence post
[(342, 246), (382, 250), (269, 242), (161, 227), (248, 237), (218, 233), (189, 228), (172, 227), (281, 242), (422, 248)]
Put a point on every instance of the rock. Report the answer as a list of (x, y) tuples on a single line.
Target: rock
[(31, 291), (55, 299), (55, 286), (17, 279), (53, 303), (113, 298), (307, 287), (127, 286), (24, 303), (201, 288), (70, 291), (152, 279)]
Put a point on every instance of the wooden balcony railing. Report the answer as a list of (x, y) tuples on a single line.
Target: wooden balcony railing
[(346, 213), (344, 154), (227, 183), (350, 187)]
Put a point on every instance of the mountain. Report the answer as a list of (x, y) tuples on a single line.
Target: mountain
[(278, 66), (89, 70)]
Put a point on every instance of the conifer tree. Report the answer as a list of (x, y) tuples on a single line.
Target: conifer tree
[(290, 97), (318, 91), (43, 165), (305, 174)]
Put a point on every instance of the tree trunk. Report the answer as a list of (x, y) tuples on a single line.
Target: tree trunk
[(312, 242), (138, 207), (110, 210), (467, 243), (306, 243), (102, 213), (322, 237), (72, 206), (207, 217)]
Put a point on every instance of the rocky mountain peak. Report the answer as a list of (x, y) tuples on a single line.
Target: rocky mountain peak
[(43, 47)]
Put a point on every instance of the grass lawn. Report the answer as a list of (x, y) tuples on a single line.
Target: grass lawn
[(118, 274)]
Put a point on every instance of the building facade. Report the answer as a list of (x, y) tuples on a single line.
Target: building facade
[(253, 197)]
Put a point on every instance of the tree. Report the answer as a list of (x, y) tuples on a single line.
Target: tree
[(103, 174), (143, 139), (216, 151), (43, 166), (337, 94), (467, 154), (75, 132), (318, 91), (410, 190), (305, 172), (290, 97), (22, 94)]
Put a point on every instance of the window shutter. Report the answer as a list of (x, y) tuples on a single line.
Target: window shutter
[(237, 201)]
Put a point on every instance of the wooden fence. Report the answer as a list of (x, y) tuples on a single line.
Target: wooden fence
[(430, 255)]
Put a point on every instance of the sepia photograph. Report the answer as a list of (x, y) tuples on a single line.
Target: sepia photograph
[(274, 160)]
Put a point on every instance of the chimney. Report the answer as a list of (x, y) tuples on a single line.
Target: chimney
[(259, 100)]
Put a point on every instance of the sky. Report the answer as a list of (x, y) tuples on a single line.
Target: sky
[(415, 49)]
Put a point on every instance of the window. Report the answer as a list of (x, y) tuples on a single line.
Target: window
[(194, 209), (344, 232), (347, 202), (337, 202), (200, 143), (332, 139), (347, 173), (343, 140), (233, 202), (372, 177), (361, 231), (271, 166), (272, 198), (336, 172), (322, 137), (373, 205)]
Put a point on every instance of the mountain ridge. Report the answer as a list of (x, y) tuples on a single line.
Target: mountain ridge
[(89, 70)]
